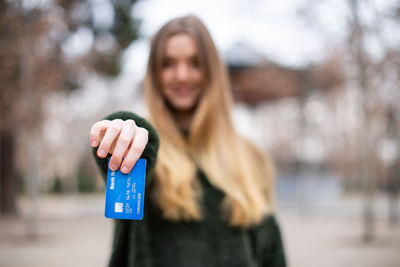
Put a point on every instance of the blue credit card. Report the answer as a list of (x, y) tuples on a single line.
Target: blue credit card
[(125, 193)]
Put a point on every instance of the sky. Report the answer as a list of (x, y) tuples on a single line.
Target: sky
[(272, 28), (293, 33)]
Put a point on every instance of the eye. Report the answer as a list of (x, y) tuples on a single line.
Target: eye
[(195, 63), (166, 64)]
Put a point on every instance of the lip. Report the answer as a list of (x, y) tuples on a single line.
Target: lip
[(183, 90)]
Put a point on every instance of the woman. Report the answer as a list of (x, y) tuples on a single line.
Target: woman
[(208, 190)]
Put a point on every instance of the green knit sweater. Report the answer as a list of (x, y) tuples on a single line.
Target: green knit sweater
[(210, 242)]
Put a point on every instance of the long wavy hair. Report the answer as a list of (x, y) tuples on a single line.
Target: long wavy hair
[(230, 162)]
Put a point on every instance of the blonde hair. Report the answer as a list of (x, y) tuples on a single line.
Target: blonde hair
[(230, 162)]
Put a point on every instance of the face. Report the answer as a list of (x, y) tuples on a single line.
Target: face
[(182, 80)]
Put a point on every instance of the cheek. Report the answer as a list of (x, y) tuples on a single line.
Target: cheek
[(166, 81), (165, 78), (199, 79)]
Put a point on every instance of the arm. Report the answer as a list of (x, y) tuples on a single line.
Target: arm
[(123, 249), (267, 244), (150, 151)]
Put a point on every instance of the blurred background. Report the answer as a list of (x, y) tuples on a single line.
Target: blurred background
[(316, 86)]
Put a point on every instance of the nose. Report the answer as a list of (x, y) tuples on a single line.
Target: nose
[(182, 72)]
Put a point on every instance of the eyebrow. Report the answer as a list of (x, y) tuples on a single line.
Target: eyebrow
[(195, 56)]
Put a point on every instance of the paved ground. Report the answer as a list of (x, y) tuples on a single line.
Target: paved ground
[(72, 231), (335, 241)]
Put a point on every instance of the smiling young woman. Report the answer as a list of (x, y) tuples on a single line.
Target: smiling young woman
[(209, 199), (182, 80)]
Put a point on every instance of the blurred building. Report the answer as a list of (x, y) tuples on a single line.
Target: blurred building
[(306, 118)]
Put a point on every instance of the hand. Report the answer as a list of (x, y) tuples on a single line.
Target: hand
[(122, 139)]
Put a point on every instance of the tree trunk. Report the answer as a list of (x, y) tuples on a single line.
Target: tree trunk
[(8, 181), (367, 142)]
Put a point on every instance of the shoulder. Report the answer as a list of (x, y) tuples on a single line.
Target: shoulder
[(268, 231), (270, 221), (268, 227)]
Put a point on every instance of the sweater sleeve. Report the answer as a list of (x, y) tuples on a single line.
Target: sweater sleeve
[(267, 244), (149, 153)]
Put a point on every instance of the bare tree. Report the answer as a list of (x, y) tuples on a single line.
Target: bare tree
[(34, 62)]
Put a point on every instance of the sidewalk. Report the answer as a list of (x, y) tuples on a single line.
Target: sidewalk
[(72, 231), (336, 242)]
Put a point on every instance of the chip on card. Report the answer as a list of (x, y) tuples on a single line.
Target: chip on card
[(125, 193)]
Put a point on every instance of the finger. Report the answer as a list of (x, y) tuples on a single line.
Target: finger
[(124, 140), (96, 130), (138, 145), (112, 132)]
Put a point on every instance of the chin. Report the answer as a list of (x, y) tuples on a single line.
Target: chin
[(184, 105)]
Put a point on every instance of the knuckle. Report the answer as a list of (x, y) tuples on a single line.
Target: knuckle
[(137, 149), (101, 123), (143, 131), (124, 141), (94, 127), (115, 128), (132, 159), (118, 122), (130, 122)]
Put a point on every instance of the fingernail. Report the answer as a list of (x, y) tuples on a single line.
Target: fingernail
[(94, 143), (125, 169), (113, 167), (102, 153)]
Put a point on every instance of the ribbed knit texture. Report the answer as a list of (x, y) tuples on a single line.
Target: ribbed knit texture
[(211, 242)]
